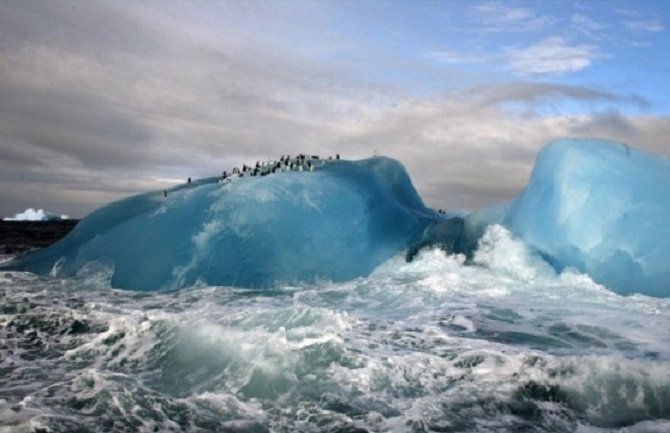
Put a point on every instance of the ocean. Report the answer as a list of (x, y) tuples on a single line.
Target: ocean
[(436, 345)]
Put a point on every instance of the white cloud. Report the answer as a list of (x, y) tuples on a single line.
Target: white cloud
[(497, 17), (652, 26), (456, 57), (587, 26), (638, 22), (551, 56), (498, 12)]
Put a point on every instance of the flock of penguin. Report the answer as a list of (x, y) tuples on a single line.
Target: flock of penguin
[(301, 162)]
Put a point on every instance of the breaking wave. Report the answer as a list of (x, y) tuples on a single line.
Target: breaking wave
[(506, 345)]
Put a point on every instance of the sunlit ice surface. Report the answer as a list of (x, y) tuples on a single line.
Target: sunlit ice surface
[(504, 345)]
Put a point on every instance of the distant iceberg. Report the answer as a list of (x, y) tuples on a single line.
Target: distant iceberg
[(31, 214)]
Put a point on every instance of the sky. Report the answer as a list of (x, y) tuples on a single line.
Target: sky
[(101, 100)]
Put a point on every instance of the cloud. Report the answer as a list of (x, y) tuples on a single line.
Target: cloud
[(551, 56), (498, 17), (532, 92), (644, 26), (587, 26), (636, 21), (455, 57), (101, 100)]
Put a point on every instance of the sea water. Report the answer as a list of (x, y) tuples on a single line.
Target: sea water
[(504, 344)]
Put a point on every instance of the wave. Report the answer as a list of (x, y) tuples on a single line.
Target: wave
[(431, 345)]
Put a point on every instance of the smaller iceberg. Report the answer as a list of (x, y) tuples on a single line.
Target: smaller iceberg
[(31, 214), (602, 208), (596, 206)]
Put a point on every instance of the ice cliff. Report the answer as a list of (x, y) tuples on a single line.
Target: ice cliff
[(336, 222)]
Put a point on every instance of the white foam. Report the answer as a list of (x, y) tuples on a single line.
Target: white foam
[(500, 251), (431, 341)]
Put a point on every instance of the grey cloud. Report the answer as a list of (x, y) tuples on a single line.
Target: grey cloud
[(95, 27), (83, 129), (539, 91), (608, 124)]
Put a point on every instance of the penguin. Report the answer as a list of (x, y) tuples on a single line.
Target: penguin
[(164, 193), (337, 156), (188, 180)]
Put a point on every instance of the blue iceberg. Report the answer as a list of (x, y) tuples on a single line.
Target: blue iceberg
[(596, 206), (336, 222), (602, 208)]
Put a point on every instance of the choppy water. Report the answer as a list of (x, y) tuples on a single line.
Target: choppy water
[(433, 345)]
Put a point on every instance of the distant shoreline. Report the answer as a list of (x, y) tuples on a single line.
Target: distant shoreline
[(17, 237)]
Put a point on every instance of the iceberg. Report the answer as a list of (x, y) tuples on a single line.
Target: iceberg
[(595, 206), (31, 214), (602, 208), (337, 222)]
